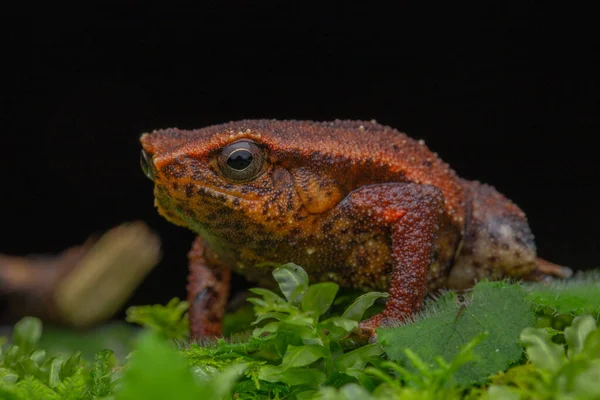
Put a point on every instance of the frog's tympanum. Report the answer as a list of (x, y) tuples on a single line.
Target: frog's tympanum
[(352, 202)]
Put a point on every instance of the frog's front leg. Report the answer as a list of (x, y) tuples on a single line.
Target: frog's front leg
[(411, 214), (208, 290)]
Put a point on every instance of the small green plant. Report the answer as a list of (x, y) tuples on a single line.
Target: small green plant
[(169, 322), (296, 345), (155, 370), (500, 340), (27, 372), (555, 371)]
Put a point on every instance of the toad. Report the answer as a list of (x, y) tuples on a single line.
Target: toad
[(353, 202)]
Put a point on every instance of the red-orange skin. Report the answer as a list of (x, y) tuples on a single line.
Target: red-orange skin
[(353, 202)]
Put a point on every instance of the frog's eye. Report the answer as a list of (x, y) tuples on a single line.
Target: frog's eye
[(146, 163), (241, 161)]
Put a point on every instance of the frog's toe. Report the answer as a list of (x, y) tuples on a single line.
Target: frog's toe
[(367, 328), (545, 272), (553, 270)]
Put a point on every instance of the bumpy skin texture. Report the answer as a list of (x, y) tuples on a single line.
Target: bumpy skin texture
[(352, 202)]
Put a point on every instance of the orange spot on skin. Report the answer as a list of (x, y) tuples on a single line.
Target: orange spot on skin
[(392, 215)]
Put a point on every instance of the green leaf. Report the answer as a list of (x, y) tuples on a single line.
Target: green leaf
[(158, 372), (576, 334), (338, 327), (270, 373), (27, 333), (299, 330), (292, 280), (239, 321), (465, 354), (445, 327), (586, 382), (292, 376), (51, 371), (27, 366), (318, 297), (284, 339), (299, 356), (9, 393), (72, 388), (270, 315), (38, 356), (271, 327), (350, 391), (102, 377), (356, 359), (353, 391), (31, 388), (346, 324), (12, 355), (220, 385), (356, 310), (70, 366), (7, 376), (496, 392), (591, 348), (169, 321), (541, 351), (268, 295)]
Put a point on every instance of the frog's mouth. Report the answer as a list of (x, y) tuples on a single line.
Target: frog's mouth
[(189, 203), (217, 192)]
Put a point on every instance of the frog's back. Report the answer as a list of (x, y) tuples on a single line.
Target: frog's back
[(365, 151)]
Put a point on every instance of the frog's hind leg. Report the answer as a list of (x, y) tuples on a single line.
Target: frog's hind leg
[(498, 242), (208, 290)]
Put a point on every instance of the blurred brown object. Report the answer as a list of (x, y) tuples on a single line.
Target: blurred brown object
[(83, 285)]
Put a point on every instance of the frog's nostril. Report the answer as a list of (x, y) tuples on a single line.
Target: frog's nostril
[(146, 163)]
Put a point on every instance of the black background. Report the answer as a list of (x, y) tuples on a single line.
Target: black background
[(505, 95)]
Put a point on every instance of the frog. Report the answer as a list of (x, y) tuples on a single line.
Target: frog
[(353, 202)]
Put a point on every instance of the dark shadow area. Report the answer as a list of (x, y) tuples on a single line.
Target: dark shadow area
[(509, 98)]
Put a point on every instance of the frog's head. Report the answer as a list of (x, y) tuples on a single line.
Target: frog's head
[(234, 181)]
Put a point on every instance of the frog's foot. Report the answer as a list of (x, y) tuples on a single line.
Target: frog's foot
[(545, 271), (367, 328), (208, 289)]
